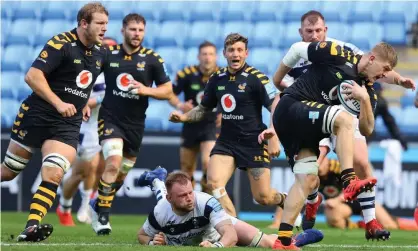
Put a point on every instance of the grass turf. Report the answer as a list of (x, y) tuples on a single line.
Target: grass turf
[(124, 228)]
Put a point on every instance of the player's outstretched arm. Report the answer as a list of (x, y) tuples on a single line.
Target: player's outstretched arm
[(229, 237), (162, 91), (395, 78), (36, 80), (194, 115), (143, 237)]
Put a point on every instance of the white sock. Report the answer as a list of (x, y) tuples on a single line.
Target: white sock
[(65, 205), (366, 200), (159, 189), (85, 196), (313, 197)]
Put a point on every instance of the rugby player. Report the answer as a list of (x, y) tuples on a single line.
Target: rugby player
[(130, 70), (338, 212), (186, 217), (89, 160), (305, 115), (313, 29), (200, 135), (61, 79), (241, 90)]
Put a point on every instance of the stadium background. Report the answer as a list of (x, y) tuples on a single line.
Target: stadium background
[(174, 29)]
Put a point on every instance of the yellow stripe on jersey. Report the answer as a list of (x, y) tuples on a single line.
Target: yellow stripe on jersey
[(334, 50), (264, 82), (117, 47), (187, 70), (57, 38), (149, 51), (193, 68), (249, 69), (66, 37), (55, 45), (73, 35), (181, 74), (111, 48), (160, 60), (255, 71), (142, 51)]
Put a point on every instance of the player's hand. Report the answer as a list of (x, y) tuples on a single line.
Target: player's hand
[(66, 109), (266, 134), (186, 106), (205, 244), (355, 92), (407, 83), (136, 87), (273, 147), (86, 113), (177, 117), (159, 239)]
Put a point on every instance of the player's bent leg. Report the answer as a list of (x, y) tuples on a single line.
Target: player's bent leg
[(15, 160), (251, 236), (113, 153), (221, 168), (261, 188), (385, 218), (128, 163), (205, 149), (343, 128), (306, 171), (361, 159), (57, 158), (338, 215), (188, 157)]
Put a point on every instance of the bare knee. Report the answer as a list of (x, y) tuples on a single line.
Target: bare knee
[(262, 199), (112, 166), (344, 121), (52, 174)]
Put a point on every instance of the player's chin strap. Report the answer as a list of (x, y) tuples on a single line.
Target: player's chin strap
[(257, 239)]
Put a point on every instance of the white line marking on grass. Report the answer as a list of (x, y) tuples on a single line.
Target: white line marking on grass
[(127, 244)]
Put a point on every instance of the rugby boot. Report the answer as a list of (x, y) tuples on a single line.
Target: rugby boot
[(148, 176), (36, 233), (65, 218), (375, 231), (307, 237), (308, 220), (279, 246), (358, 186), (99, 222)]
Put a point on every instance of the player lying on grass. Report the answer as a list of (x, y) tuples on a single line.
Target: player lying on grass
[(186, 217)]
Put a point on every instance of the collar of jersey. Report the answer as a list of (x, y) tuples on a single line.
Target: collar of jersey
[(245, 65), (78, 41), (123, 49)]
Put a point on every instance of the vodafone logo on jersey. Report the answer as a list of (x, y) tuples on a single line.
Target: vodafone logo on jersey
[(228, 102), (199, 97), (84, 79), (123, 81)]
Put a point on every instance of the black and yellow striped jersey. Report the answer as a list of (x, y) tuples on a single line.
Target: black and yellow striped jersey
[(331, 64), (240, 96), (145, 66), (191, 81), (331, 185), (70, 69)]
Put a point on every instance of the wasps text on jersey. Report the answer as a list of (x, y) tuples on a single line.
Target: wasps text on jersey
[(240, 97), (70, 69), (120, 68)]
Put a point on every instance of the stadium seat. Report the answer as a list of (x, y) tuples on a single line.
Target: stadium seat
[(26, 13), (262, 34), (380, 127), (244, 28), (9, 92), (175, 11), (114, 30), (394, 33), (146, 9), (365, 11), (201, 31), (171, 34), (291, 35), (397, 10), (232, 11), (410, 120), (23, 31), (5, 28), (205, 11), (392, 17), (408, 100), (13, 56), (6, 12), (50, 28), (338, 30), (295, 10), (125, 6), (191, 56), (173, 57), (265, 59), (334, 11), (151, 32), (361, 31), (397, 113), (53, 14), (9, 107), (268, 11), (6, 120), (24, 91)]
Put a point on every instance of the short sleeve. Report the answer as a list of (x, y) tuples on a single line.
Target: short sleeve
[(151, 226), (217, 213), (179, 84), (159, 71), (209, 99), (51, 56), (267, 91)]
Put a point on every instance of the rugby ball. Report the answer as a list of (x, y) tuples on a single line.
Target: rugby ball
[(351, 105)]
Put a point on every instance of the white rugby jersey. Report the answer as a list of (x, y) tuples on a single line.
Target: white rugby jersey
[(302, 66), (189, 229), (97, 90)]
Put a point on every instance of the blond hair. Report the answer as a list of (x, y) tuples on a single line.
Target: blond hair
[(386, 52), (86, 12), (178, 177)]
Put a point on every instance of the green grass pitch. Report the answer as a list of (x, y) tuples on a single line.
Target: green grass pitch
[(125, 227)]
